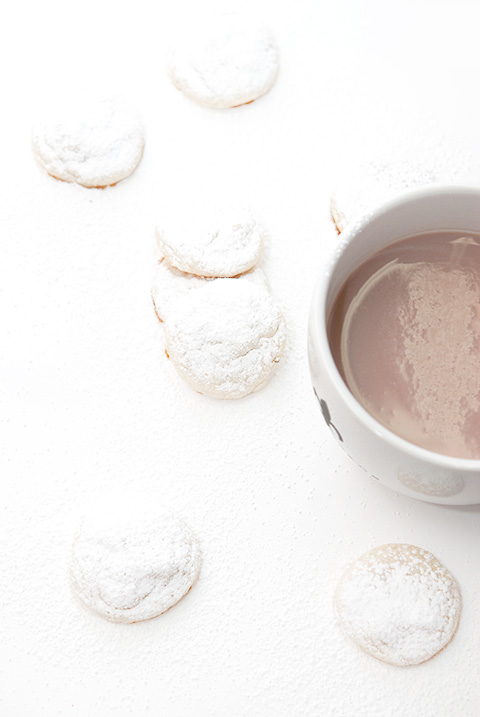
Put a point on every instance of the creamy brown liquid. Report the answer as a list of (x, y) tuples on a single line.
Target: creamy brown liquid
[(405, 334)]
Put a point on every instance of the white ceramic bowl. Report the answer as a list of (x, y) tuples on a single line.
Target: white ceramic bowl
[(405, 467)]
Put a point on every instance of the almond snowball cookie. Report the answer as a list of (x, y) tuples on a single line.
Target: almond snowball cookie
[(170, 286), (363, 187), (132, 563), (226, 338), (224, 61), (225, 243), (441, 486), (399, 604), (92, 143)]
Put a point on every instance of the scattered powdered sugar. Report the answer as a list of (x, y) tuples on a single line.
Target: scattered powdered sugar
[(399, 604), (224, 60), (95, 143), (226, 338), (133, 562), (170, 285), (222, 242), (362, 187)]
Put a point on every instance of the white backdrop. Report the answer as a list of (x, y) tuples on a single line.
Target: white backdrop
[(90, 406)]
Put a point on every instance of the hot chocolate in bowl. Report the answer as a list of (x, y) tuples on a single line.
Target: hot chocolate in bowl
[(405, 410)]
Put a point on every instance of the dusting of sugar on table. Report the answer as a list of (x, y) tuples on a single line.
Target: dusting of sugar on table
[(87, 410)]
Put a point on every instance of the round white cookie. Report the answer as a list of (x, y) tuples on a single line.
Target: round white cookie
[(399, 604), (222, 243), (133, 562), (364, 187), (170, 286), (224, 61), (92, 143), (226, 338), (441, 486)]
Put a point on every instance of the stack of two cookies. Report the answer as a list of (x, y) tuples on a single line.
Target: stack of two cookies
[(223, 330)]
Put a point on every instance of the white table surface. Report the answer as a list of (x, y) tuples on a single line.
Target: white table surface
[(91, 407)]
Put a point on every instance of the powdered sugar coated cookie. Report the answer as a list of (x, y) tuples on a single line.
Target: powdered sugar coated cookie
[(170, 286), (133, 562), (92, 143), (222, 243), (224, 61), (362, 187), (441, 486), (399, 604), (226, 338)]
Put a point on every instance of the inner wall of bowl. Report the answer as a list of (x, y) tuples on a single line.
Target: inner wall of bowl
[(430, 209)]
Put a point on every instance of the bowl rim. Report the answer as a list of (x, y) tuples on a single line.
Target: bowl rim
[(318, 328)]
